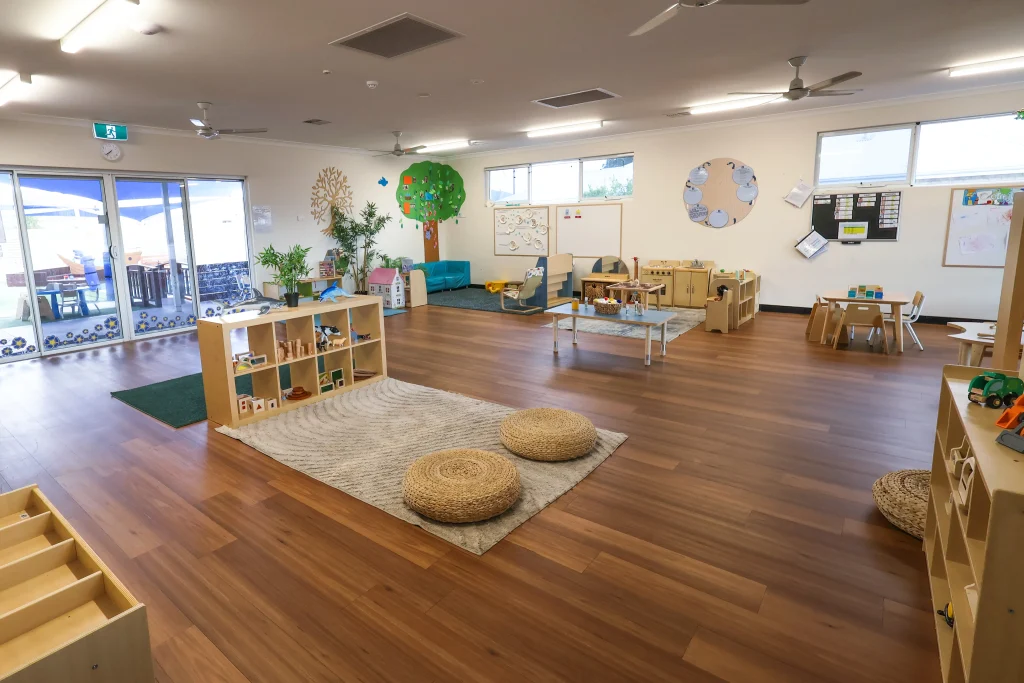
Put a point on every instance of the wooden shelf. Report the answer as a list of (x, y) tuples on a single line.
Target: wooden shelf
[(364, 314), (975, 541), (63, 614)]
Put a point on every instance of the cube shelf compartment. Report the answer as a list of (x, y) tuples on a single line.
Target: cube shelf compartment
[(364, 314), (972, 539), (63, 615)]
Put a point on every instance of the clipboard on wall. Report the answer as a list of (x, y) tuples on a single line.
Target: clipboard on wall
[(811, 245)]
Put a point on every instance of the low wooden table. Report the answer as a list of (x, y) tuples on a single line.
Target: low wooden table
[(895, 302), (647, 320), (646, 289), (973, 340)]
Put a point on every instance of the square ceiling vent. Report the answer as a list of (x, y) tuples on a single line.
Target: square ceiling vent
[(397, 36), (574, 98)]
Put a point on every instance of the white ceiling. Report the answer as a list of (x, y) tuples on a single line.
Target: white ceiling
[(260, 62)]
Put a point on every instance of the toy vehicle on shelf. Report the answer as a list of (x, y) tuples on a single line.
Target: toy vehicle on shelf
[(994, 389)]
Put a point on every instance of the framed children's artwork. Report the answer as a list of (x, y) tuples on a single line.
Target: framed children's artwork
[(327, 269)]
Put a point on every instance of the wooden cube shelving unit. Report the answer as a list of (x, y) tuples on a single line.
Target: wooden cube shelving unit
[(973, 542), (364, 314), (63, 615)]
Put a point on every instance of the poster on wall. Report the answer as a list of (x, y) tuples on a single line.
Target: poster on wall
[(720, 192), (521, 231), (978, 228), (262, 221), (429, 192)]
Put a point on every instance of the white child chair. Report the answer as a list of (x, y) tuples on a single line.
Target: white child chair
[(909, 319)]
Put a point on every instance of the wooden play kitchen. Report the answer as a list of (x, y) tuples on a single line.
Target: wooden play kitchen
[(357, 357), (63, 615)]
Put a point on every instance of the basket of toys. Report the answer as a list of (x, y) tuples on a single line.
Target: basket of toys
[(607, 306)]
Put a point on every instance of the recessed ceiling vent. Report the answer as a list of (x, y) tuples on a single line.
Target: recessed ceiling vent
[(316, 122), (397, 36), (574, 98)]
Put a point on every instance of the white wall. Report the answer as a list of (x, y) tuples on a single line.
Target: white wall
[(281, 175), (781, 149)]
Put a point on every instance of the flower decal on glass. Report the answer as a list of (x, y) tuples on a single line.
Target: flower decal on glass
[(142, 326), (111, 323), (111, 335), (79, 339), (190, 320), (7, 351), (93, 337), (52, 342), (98, 328), (19, 343), (209, 312)]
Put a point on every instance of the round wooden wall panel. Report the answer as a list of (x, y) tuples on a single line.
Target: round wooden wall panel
[(720, 192)]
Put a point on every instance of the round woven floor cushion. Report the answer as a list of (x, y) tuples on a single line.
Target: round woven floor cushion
[(902, 497), (548, 434), (461, 485)]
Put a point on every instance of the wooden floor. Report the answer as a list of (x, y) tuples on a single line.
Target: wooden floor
[(731, 538)]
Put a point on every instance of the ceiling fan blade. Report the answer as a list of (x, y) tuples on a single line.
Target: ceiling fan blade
[(831, 93), (411, 150), (657, 21), (198, 123), (835, 80), (240, 131), (757, 93), (762, 2)]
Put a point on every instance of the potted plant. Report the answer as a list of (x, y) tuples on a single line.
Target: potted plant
[(290, 267), (353, 235)]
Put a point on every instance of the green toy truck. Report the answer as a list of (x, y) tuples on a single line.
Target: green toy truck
[(995, 389)]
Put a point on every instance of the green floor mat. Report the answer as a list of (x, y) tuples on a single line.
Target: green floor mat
[(474, 299), (176, 402)]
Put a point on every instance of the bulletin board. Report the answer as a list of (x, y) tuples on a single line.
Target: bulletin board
[(589, 230), (978, 226), (522, 231), (857, 217)]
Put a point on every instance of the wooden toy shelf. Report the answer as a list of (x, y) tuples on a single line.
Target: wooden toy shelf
[(746, 297), (972, 543), (63, 614), (364, 314)]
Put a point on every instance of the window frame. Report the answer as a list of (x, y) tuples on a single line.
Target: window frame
[(959, 182), (529, 179), (911, 154), (579, 180)]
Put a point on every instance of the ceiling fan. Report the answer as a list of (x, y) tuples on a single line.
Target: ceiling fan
[(205, 130), (699, 4), (797, 91), (397, 150)]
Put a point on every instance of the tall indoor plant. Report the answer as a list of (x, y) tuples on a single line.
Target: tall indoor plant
[(357, 239), (290, 267)]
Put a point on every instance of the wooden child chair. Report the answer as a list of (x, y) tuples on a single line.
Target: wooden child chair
[(864, 315)]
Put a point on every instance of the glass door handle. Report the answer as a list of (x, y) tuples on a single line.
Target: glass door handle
[(112, 250)]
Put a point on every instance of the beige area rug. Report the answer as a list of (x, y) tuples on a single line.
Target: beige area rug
[(363, 441)]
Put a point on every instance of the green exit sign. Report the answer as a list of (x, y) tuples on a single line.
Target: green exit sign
[(109, 131)]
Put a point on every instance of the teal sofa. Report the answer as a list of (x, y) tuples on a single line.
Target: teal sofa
[(445, 275)]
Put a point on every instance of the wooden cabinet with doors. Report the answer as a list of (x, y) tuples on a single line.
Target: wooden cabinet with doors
[(690, 286)]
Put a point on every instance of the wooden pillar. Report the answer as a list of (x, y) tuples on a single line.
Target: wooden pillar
[(1006, 353)]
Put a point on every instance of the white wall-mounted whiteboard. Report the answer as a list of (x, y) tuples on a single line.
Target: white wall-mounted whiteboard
[(522, 231), (979, 226), (589, 230)]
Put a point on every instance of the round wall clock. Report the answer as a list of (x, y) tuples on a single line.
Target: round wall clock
[(720, 192), (110, 151)]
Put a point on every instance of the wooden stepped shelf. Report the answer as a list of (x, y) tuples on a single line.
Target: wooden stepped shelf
[(63, 615), (972, 541)]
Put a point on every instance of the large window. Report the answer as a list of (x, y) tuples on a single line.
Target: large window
[(556, 182), (987, 149)]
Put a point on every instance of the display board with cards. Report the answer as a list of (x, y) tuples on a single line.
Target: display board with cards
[(857, 217)]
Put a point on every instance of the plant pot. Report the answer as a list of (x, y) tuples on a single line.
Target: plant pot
[(291, 299)]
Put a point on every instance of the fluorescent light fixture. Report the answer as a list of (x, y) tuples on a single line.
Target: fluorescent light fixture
[(562, 130), (987, 67), (197, 123), (730, 105), (443, 146), (91, 30), (17, 85)]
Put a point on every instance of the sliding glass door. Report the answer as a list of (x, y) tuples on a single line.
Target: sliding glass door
[(69, 247), (221, 242), (157, 260), (17, 328)]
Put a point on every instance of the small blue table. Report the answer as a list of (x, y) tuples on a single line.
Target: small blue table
[(625, 316), (54, 293)]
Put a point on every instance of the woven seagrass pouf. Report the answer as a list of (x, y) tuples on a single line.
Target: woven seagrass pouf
[(548, 434), (902, 497), (461, 485)]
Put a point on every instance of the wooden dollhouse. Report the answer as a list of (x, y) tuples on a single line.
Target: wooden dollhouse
[(388, 284)]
